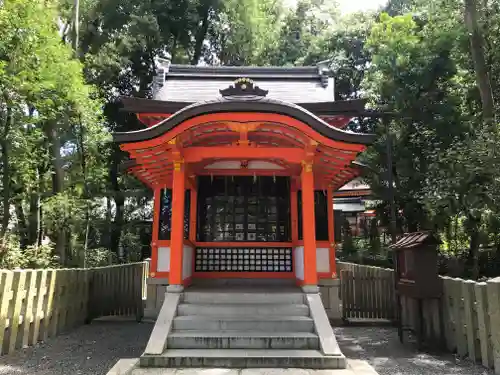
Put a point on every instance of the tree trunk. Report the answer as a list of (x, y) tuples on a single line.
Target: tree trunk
[(22, 225), (117, 225), (76, 26), (480, 67), (473, 256), (200, 36), (34, 219), (4, 144), (57, 182)]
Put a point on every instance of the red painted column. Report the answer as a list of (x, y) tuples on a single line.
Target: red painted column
[(154, 236), (177, 226), (308, 225), (331, 232), (294, 213), (192, 214)]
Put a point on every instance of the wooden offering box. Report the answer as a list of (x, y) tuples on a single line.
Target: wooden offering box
[(416, 265)]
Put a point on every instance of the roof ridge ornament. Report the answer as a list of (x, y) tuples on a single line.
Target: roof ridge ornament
[(243, 87)]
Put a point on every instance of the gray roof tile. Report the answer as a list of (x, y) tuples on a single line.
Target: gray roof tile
[(184, 83), (195, 90)]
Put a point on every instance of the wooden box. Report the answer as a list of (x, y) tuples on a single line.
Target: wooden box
[(416, 265)]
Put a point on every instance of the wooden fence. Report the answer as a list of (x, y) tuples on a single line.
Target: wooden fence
[(367, 293), (466, 318), (38, 304)]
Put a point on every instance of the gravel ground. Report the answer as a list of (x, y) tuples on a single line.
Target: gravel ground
[(380, 346), (93, 349), (88, 350)]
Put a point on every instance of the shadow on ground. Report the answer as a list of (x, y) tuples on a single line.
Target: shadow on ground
[(380, 346), (88, 350)]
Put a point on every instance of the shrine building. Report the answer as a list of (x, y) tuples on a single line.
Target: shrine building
[(244, 163)]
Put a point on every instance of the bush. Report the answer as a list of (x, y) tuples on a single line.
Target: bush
[(100, 257), (12, 256)]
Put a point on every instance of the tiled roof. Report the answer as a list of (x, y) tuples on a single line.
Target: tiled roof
[(415, 239), (184, 83)]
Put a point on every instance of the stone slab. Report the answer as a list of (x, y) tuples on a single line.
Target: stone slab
[(158, 339), (124, 366), (354, 367), (328, 343), (360, 370), (243, 358)]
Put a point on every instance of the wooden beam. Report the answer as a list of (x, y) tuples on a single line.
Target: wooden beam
[(197, 154)]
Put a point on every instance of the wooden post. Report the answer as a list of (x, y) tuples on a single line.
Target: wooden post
[(493, 293), (177, 227), (155, 233), (192, 213), (331, 232), (308, 224), (294, 212)]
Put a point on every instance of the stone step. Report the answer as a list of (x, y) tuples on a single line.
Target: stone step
[(242, 340), (244, 323), (242, 309), (207, 297), (241, 358)]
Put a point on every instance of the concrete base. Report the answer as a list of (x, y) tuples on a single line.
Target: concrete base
[(156, 289), (310, 289), (330, 295), (130, 367), (175, 288)]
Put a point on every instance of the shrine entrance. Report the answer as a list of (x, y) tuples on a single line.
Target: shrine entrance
[(243, 187)]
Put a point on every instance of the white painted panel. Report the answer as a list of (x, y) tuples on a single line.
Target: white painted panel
[(258, 164), (323, 259), (224, 165), (187, 262), (163, 259), (298, 253)]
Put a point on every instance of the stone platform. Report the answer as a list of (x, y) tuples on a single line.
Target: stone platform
[(242, 329), (130, 367)]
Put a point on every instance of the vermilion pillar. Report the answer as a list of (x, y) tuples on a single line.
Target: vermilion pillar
[(155, 233), (192, 213), (331, 232), (308, 225), (177, 226), (294, 212)]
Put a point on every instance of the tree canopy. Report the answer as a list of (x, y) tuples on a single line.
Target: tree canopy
[(433, 65)]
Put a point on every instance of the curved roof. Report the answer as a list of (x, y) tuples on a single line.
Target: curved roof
[(260, 105)]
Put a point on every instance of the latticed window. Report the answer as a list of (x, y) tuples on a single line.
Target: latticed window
[(243, 208), (165, 221)]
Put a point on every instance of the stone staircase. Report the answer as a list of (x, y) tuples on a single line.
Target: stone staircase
[(243, 328)]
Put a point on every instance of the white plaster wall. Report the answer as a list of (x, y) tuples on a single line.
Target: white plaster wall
[(258, 164), (229, 164), (163, 259), (298, 254), (323, 259), (253, 164), (187, 262)]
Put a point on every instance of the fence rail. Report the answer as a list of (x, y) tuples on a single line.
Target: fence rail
[(367, 293), (38, 304), (470, 321)]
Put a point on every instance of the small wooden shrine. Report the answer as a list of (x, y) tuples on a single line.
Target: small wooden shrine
[(244, 163)]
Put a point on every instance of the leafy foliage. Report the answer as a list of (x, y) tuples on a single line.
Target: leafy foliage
[(59, 84)]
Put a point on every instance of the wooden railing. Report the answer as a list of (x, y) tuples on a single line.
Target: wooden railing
[(38, 304), (367, 293), (470, 321)]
